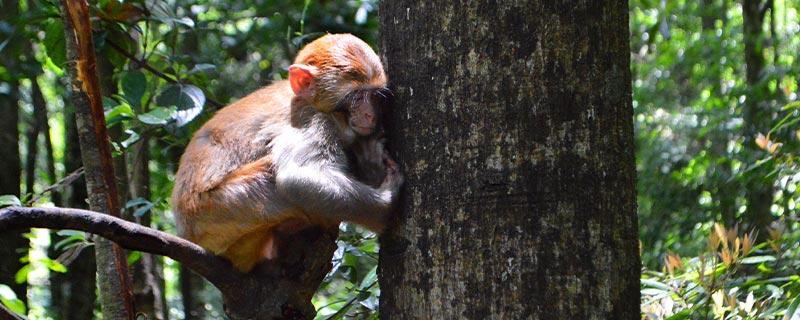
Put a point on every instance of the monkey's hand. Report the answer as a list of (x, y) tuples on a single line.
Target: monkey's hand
[(370, 167), (394, 179)]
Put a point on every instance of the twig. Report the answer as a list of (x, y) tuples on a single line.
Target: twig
[(347, 305), (6, 314), (69, 179)]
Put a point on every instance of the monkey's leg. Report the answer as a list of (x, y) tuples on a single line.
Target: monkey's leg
[(242, 210)]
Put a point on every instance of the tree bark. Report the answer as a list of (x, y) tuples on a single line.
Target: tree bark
[(278, 288), (73, 293), (113, 278), (513, 125)]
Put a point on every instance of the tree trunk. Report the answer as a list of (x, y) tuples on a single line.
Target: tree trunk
[(112, 270), (10, 169), (10, 164), (147, 273), (513, 125), (73, 293), (191, 288), (759, 186)]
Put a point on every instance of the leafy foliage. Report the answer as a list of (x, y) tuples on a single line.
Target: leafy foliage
[(166, 67), (734, 278), (696, 159)]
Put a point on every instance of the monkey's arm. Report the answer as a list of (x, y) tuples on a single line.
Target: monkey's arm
[(331, 194)]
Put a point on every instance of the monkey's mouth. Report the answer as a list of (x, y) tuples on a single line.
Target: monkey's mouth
[(362, 130)]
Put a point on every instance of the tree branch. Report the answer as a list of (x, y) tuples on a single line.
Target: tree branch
[(6, 314), (127, 234), (278, 288)]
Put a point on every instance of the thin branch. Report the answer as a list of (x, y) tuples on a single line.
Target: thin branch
[(69, 179), (6, 314), (127, 234)]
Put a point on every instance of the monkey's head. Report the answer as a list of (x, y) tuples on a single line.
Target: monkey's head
[(341, 73)]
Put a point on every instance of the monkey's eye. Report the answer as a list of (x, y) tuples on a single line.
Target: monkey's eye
[(381, 98)]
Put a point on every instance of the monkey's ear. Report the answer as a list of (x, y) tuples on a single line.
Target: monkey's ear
[(301, 78)]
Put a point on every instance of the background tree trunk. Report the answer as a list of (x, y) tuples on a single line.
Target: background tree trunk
[(513, 125), (10, 164), (10, 169), (148, 279), (73, 293), (758, 118), (192, 287)]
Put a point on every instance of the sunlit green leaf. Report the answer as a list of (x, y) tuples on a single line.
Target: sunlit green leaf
[(22, 274), (158, 116), (188, 99), (118, 114), (54, 42), (15, 305), (757, 259), (9, 200)]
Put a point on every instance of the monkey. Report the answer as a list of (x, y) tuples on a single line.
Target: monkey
[(277, 159)]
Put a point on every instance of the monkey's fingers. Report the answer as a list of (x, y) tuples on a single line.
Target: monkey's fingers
[(391, 166)]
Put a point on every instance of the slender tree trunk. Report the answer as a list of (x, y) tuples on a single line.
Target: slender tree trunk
[(73, 293), (10, 164), (191, 286), (759, 188), (113, 279), (147, 272), (32, 137), (513, 125), (40, 104), (10, 169)]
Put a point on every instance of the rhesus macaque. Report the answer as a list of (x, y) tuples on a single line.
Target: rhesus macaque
[(277, 159)]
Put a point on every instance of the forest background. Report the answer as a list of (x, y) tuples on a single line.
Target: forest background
[(715, 86)]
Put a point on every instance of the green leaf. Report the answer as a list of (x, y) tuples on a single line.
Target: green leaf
[(652, 292), (15, 305), (133, 257), (136, 202), (22, 274), (9, 200), (54, 42), (118, 114), (188, 99), (369, 279), (70, 241), (131, 139), (654, 284), (684, 314), (158, 116), (757, 259), (141, 211), (54, 265), (793, 306), (202, 67), (134, 85), (363, 295)]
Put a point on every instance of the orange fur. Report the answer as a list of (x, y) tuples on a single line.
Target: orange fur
[(225, 197)]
